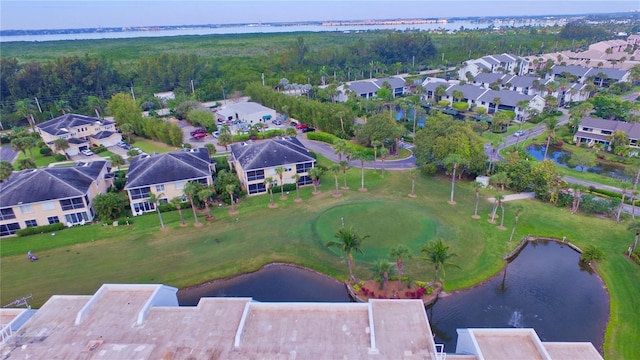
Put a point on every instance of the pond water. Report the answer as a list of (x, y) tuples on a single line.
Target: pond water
[(272, 283), (561, 157), (544, 288)]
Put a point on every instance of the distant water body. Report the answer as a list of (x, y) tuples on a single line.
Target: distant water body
[(278, 29)]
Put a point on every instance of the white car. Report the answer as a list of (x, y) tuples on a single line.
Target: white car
[(519, 133), (87, 152)]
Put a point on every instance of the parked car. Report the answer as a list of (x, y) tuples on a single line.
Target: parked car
[(276, 122), (519, 133), (308, 129), (122, 144), (87, 152), (293, 123), (199, 132), (127, 147), (302, 126), (216, 134)]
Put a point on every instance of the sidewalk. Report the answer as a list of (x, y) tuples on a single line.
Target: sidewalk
[(513, 197)]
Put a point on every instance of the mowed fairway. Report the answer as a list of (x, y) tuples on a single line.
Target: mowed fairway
[(79, 260)]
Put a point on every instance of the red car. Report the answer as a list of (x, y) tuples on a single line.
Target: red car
[(301, 126)]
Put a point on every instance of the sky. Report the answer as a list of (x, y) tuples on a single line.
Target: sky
[(53, 14)]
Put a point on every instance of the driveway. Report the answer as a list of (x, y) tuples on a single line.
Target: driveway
[(7, 153)]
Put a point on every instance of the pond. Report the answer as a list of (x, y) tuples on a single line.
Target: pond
[(544, 288), (561, 157), (272, 283)]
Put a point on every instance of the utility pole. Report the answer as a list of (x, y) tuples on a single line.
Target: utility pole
[(192, 88), (262, 79), (38, 103), (133, 95)]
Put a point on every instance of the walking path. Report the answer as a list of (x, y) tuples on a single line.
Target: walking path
[(513, 197)]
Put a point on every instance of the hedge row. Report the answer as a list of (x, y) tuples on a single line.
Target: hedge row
[(40, 229)]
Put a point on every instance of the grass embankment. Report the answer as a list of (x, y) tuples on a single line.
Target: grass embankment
[(79, 260)]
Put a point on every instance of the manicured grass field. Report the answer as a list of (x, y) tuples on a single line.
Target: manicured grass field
[(79, 260)]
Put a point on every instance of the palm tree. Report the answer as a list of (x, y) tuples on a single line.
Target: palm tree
[(635, 227), (552, 126), (339, 148), (375, 144), (517, 211), (27, 163), (335, 168), (61, 145), (496, 104), (498, 201), (344, 165), (211, 148), (116, 161), (268, 183), (225, 139), (280, 172), (363, 156), (205, 195), (190, 190), (177, 203), (413, 174), (453, 160), (383, 155), (577, 197), (438, 254), (477, 186), (153, 198), (382, 269), (349, 241), (624, 186), (296, 178), (230, 189), (20, 144), (495, 145), (315, 173), (400, 252), (127, 130)]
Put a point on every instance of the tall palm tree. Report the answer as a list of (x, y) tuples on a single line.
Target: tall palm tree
[(476, 187), (177, 203), (268, 183), (413, 174), (116, 161), (230, 189), (624, 186), (400, 252), (382, 269), (383, 155), (375, 144), (577, 197), (205, 194), (635, 227), (348, 241), (154, 198), (362, 156), (517, 212), (340, 148), (498, 201), (335, 168), (453, 161), (190, 190), (344, 166), (438, 254), (280, 172), (551, 124), (211, 148), (296, 178), (315, 173), (61, 145)]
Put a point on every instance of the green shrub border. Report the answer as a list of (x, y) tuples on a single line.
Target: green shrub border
[(40, 229)]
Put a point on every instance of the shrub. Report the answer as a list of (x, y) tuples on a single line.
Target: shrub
[(40, 229), (321, 136), (187, 146), (99, 149), (460, 106), (592, 253), (45, 151), (287, 187), (59, 157), (443, 103), (239, 138), (273, 133)]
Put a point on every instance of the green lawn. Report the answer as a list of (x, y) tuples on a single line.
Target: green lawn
[(79, 260), (150, 146), (41, 160)]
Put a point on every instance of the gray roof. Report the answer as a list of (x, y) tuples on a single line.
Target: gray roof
[(432, 86), (469, 91), (505, 58), (77, 141), (507, 97), (102, 134), (523, 81), (265, 154), (611, 73), (61, 125), (632, 129), (363, 87), (488, 78), (146, 170), (50, 183), (395, 82), (489, 59), (571, 69)]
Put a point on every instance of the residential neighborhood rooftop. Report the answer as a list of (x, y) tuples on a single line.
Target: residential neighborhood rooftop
[(275, 152), (62, 125), (146, 170)]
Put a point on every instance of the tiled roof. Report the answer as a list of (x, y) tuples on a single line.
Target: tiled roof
[(50, 183), (488, 78), (270, 153), (571, 69), (523, 81), (363, 87), (469, 91), (632, 129), (507, 97), (146, 170), (395, 82), (62, 125), (102, 134)]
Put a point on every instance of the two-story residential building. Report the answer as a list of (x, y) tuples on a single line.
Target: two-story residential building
[(598, 131), (602, 77), (499, 63), (37, 197), (81, 132), (368, 89), (165, 175), (256, 161)]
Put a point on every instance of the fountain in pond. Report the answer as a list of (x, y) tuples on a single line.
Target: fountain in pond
[(516, 319)]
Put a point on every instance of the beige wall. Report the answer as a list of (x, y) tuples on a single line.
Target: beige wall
[(80, 132), (164, 191)]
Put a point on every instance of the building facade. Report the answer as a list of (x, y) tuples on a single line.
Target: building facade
[(82, 132)]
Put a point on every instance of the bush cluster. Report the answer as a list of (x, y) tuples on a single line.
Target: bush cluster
[(40, 229)]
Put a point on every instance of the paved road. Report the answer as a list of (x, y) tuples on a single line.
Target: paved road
[(8, 154)]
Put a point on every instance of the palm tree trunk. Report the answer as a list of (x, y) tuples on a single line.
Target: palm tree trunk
[(193, 208), (635, 242), (547, 148), (502, 220), (620, 208), (181, 216), (413, 186), (362, 173), (349, 266), (160, 216), (475, 213), (453, 182)]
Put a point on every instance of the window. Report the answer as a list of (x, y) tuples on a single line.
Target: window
[(304, 180), (143, 206), (255, 175), (256, 188), (9, 229), (53, 220), (179, 185), (140, 193), (6, 214), (160, 188), (48, 205), (76, 218), (606, 132), (203, 181), (30, 223), (25, 209), (70, 204), (301, 168), (587, 129)]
